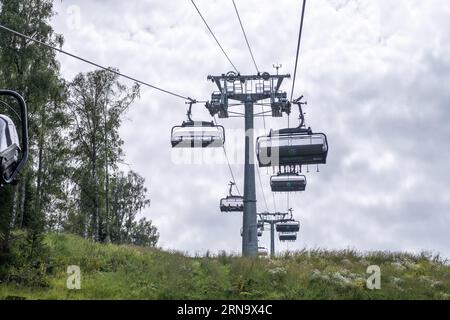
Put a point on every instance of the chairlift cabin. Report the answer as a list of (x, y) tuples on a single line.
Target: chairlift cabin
[(232, 203), (288, 237), (13, 156), (290, 182), (287, 227), (291, 147), (198, 134)]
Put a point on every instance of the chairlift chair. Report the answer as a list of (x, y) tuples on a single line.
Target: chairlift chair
[(280, 105), (218, 105), (232, 203), (288, 237), (293, 146), (262, 252), (288, 227), (197, 134), (13, 156), (288, 182)]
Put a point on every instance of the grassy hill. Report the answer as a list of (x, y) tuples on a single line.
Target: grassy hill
[(124, 272)]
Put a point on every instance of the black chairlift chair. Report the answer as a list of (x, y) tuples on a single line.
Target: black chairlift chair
[(287, 237), (288, 227), (12, 156), (197, 134), (288, 182), (232, 203), (293, 146), (280, 105), (218, 105)]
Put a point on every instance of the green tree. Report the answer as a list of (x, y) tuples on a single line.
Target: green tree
[(97, 102), (33, 71), (144, 233), (128, 198)]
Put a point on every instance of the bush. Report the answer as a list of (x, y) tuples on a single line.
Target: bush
[(28, 261)]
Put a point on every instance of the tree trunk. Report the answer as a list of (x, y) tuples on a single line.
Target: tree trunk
[(40, 177), (23, 188), (105, 111)]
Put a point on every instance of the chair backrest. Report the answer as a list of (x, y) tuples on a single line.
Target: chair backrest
[(8, 133)]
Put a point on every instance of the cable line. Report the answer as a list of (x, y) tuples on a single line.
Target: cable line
[(295, 70), (229, 165), (212, 33), (245, 36), (298, 47), (93, 63)]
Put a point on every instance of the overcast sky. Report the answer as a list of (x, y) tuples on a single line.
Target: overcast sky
[(376, 75)]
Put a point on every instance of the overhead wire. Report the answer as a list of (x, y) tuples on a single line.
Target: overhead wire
[(214, 36), (262, 107), (229, 164), (108, 69), (93, 63), (295, 70), (298, 47), (258, 170), (245, 36), (119, 74)]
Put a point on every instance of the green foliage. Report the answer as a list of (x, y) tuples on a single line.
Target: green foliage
[(71, 182), (33, 71), (96, 102), (28, 261), (128, 198), (143, 233), (131, 272)]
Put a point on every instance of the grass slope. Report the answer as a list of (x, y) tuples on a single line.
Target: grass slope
[(124, 272)]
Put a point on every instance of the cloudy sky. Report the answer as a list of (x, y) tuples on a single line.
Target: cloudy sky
[(376, 75)]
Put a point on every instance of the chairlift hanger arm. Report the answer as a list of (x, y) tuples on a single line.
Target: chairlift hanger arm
[(299, 103), (191, 102), (279, 82)]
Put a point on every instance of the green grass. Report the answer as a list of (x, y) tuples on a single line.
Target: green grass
[(125, 272)]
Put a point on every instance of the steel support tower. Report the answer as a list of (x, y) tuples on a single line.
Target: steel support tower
[(273, 219), (248, 90)]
